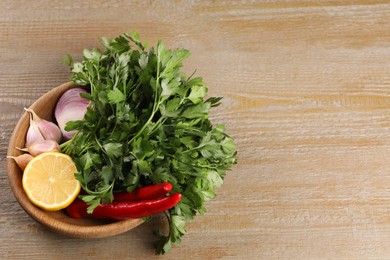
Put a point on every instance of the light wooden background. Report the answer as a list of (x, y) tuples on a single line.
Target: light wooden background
[(307, 99)]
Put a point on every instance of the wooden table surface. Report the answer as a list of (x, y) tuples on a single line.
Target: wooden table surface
[(306, 87)]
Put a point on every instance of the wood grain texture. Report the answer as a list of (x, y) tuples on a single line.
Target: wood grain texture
[(307, 97)]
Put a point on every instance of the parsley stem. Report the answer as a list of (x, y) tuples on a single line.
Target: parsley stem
[(101, 147), (110, 187), (195, 148), (155, 104), (159, 122)]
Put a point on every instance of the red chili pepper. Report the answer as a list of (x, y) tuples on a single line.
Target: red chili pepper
[(144, 193), (123, 209)]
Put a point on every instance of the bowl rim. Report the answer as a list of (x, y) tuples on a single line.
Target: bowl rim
[(51, 219)]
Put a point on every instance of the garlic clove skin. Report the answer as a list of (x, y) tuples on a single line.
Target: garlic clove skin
[(43, 146), (22, 160), (48, 130), (33, 133)]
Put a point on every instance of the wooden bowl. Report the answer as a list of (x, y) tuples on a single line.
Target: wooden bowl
[(56, 221)]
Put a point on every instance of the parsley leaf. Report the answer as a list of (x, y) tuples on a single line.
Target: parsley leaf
[(115, 96)]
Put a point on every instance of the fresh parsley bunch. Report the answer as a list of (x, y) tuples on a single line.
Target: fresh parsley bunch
[(147, 123)]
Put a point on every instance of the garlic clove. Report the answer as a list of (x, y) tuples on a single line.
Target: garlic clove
[(33, 133), (43, 146), (48, 130), (22, 160)]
